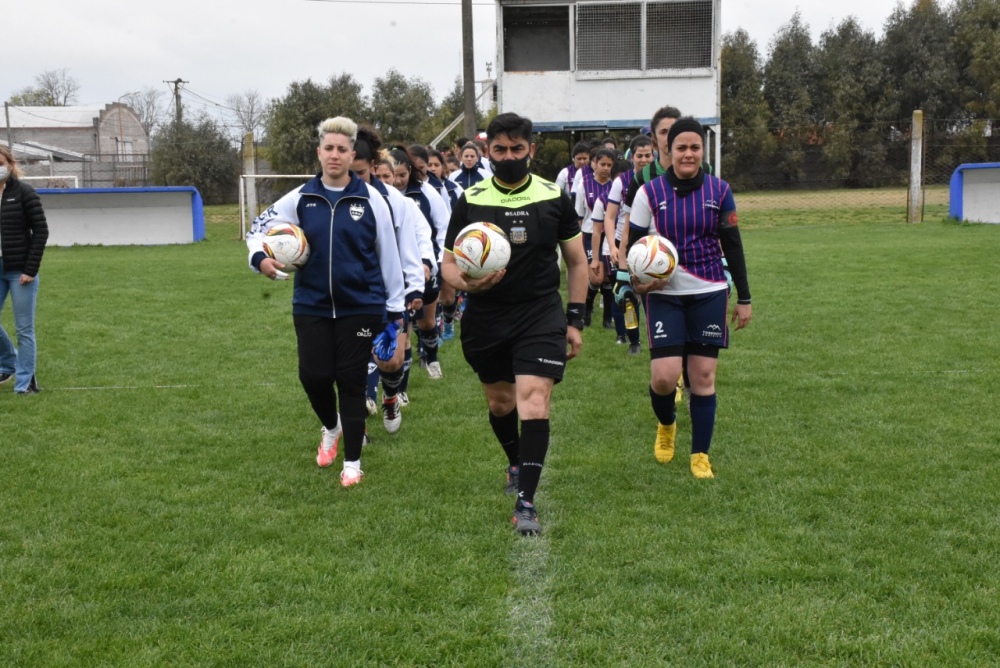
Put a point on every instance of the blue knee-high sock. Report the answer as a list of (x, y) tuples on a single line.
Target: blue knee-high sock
[(663, 407), (372, 391), (702, 422)]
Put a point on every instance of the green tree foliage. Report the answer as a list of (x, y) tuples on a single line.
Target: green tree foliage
[(197, 154), (746, 137), (919, 59), (851, 101), (977, 47), (292, 120), (789, 88), (402, 108), (551, 155)]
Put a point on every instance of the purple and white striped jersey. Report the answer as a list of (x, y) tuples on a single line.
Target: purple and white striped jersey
[(692, 223)]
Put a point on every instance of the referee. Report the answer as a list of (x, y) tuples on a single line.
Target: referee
[(514, 331)]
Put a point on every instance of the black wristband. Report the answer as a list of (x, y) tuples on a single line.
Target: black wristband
[(574, 314)]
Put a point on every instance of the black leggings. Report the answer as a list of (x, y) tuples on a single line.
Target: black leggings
[(337, 350)]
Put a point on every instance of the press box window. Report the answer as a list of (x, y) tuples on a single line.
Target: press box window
[(535, 38), (679, 35)]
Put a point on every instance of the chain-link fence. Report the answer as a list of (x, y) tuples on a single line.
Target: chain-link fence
[(949, 143)]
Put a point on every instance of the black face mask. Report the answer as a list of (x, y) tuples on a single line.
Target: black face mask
[(511, 171)]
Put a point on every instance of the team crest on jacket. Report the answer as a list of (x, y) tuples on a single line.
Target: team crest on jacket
[(357, 210), (518, 235)]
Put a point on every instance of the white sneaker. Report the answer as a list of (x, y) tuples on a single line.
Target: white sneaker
[(326, 453), (402, 399), (434, 370), (350, 476), (392, 418), (371, 406)]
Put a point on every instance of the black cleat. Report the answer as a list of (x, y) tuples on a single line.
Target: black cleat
[(525, 519), (634, 349), (609, 324), (4, 377)]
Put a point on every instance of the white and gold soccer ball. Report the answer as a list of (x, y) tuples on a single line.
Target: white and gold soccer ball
[(652, 258), (287, 244), (481, 248)]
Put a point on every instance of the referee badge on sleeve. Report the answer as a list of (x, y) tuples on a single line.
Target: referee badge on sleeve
[(518, 235)]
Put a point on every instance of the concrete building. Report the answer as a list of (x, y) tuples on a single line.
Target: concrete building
[(101, 146)]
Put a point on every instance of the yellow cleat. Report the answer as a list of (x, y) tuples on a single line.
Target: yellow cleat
[(700, 466), (663, 449)]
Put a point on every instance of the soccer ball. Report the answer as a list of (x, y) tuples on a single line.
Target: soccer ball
[(652, 258), (481, 248), (287, 244)]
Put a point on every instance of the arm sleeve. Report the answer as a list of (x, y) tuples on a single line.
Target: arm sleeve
[(388, 256), (423, 231), (440, 218), (577, 183), (732, 247), (282, 211), (409, 248)]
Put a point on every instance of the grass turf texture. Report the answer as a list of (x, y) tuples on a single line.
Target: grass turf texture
[(176, 515)]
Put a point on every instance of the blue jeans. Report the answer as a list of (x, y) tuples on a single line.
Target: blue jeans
[(22, 297)]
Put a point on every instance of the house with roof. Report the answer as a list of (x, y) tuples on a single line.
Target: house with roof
[(100, 146)]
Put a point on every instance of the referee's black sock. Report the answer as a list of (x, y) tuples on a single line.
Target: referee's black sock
[(505, 429), (534, 445), (702, 422), (663, 406)]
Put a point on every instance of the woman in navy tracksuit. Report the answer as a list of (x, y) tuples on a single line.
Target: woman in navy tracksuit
[(343, 295)]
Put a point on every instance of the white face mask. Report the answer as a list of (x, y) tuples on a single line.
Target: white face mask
[(4, 172)]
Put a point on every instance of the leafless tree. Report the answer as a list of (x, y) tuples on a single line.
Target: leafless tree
[(53, 88), (248, 110), (149, 107)]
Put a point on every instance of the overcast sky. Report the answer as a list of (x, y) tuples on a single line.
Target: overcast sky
[(112, 47)]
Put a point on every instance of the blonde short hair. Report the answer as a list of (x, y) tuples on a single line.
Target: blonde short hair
[(340, 125)]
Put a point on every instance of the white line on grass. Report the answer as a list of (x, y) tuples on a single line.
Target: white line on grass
[(98, 388), (530, 602)]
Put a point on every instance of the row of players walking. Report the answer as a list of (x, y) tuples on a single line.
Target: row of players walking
[(382, 223)]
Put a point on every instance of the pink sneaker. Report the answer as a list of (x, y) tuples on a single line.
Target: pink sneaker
[(350, 477), (327, 451)]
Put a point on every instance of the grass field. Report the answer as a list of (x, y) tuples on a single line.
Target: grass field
[(161, 504)]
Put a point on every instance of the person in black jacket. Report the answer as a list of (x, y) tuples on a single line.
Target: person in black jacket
[(23, 233)]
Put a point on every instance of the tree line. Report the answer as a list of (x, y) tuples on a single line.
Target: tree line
[(840, 111)]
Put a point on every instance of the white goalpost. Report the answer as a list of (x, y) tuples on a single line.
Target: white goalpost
[(249, 204)]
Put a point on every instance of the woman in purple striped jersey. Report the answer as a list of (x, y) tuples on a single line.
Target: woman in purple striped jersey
[(687, 314)]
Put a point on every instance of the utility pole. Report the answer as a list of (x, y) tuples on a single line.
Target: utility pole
[(176, 83), (6, 112), (468, 70)]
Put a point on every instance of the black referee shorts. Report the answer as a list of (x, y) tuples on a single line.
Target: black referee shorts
[(504, 341)]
